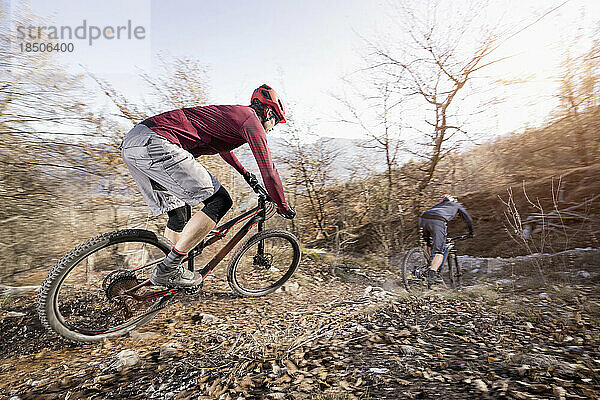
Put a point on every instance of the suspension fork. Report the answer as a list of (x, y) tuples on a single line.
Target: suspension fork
[(458, 271), (446, 251)]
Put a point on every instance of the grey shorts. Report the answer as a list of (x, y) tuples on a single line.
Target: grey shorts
[(167, 175), (434, 233)]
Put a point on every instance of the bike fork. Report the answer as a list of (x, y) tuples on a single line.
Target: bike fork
[(458, 272)]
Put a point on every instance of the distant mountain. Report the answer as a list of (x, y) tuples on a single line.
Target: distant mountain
[(354, 156)]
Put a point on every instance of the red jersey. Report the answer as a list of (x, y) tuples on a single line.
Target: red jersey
[(219, 130)]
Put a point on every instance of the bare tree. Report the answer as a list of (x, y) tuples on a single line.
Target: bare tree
[(180, 82), (309, 166), (43, 117), (579, 93), (377, 102), (383, 135), (434, 66)]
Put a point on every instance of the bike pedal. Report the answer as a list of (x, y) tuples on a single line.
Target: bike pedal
[(194, 289)]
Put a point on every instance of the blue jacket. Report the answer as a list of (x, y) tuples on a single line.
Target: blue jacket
[(447, 210)]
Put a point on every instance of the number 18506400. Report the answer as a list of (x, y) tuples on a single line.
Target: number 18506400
[(29, 47)]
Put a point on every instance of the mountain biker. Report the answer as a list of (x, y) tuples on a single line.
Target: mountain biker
[(159, 153), (434, 222)]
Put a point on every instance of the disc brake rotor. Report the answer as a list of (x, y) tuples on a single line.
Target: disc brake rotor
[(263, 260)]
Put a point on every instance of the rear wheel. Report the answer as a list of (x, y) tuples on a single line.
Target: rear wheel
[(263, 263), (414, 270), (85, 297)]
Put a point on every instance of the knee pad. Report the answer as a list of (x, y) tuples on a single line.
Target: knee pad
[(217, 205), (177, 219)]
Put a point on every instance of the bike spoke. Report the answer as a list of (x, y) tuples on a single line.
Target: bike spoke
[(414, 270), (96, 296), (265, 264)]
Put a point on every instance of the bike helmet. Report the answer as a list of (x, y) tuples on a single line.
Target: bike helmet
[(448, 197), (266, 95)]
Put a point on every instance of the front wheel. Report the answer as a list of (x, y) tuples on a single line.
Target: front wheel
[(263, 263), (87, 296)]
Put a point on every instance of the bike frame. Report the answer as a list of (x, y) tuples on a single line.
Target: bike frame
[(255, 216), (449, 251)]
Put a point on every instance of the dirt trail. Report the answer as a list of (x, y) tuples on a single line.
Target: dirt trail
[(336, 336)]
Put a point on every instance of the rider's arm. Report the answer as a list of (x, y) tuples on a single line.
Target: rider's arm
[(465, 215), (232, 160), (255, 135)]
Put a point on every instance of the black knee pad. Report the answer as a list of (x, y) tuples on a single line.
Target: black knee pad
[(178, 218), (217, 205)]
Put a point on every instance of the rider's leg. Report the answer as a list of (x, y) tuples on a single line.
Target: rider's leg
[(438, 240), (436, 262), (167, 272), (172, 235), (194, 231), (177, 220), (200, 225)]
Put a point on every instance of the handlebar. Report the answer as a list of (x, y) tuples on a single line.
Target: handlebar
[(261, 191), (461, 237)]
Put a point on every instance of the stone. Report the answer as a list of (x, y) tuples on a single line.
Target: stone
[(559, 393), (358, 328), (39, 382), (378, 370), (375, 291), (291, 287), (277, 370), (480, 386), (143, 335), (124, 359), (584, 274), (169, 349), (573, 349), (203, 318), (15, 314), (523, 369)]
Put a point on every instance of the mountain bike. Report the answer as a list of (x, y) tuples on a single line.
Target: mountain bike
[(417, 260), (101, 289)]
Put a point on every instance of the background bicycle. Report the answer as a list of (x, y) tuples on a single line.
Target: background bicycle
[(416, 264), (101, 289)]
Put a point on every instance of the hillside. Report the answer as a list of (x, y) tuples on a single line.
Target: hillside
[(577, 185)]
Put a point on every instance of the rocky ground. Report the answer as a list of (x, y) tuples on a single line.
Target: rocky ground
[(336, 333)]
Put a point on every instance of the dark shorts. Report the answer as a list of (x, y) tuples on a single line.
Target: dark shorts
[(434, 233), (167, 175)]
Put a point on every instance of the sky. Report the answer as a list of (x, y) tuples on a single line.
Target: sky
[(303, 48)]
